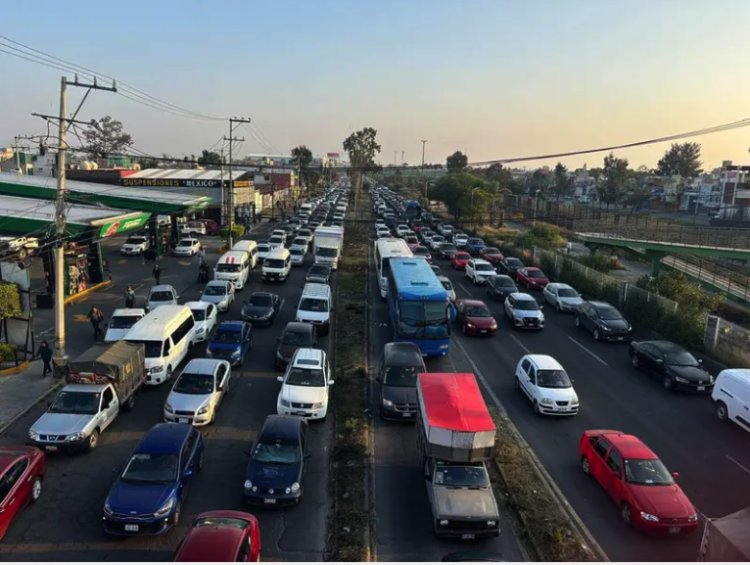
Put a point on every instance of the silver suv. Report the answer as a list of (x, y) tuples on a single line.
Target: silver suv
[(523, 311)]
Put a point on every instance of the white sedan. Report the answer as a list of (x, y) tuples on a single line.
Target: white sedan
[(546, 384), (562, 296), (197, 393), (220, 293), (187, 247), (205, 315)]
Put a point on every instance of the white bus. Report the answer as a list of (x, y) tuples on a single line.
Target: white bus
[(385, 248)]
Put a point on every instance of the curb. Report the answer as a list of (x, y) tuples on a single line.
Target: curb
[(15, 370), (29, 407), (83, 294)]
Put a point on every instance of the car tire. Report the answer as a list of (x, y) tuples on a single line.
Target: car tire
[(585, 465), (129, 403), (721, 411), (667, 383), (596, 334), (626, 513), (36, 490), (93, 441), (635, 362)]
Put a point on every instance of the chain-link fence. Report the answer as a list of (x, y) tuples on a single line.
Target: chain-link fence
[(727, 341)]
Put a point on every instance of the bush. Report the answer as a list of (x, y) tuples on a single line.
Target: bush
[(237, 231), (10, 300), (599, 263), (7, 353)]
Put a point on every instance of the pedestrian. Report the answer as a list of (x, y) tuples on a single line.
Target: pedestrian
[(156, 272), (107, 270), (201, 256), (45, 354), (95, 317), (130, 298)]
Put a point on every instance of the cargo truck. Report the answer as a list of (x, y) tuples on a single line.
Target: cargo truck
[(101, 382), (328, 245), (726, 539), (455, 436)]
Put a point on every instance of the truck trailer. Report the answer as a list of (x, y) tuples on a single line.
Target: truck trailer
[(328, 245)]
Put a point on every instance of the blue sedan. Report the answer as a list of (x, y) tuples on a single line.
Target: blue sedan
[(474, 245), (231, 341), (147, 497)]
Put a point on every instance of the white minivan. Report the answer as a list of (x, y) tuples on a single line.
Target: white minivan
[(315, 307), (250, 247), (233, 266), (167, 334), (276, 265), (731, 396)]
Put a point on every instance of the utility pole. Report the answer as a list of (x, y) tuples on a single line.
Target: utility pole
[(426, 201), (402, 156), (221, 177), (230, 201)]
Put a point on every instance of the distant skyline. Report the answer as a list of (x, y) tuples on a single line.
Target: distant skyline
[(492, 78)]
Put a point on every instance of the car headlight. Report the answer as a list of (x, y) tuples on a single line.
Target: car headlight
[(284, 402), (295, 487), (649, 517), (493, 326), (693, 518), (469, 325), (248, 485), (33, 435), (317, 405), (200, 331), (546, 401), (74, 437), (157, 369), (605, 327), (203, 409), (681, 380), (443, 522), (574, 400), (491, 522), (166, 509), (388, 403), (168, 407), (107, 508)]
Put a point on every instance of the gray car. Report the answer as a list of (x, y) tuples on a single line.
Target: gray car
[(402, 362), (294, 336)]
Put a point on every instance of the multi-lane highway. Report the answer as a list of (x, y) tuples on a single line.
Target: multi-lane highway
[(65, 525)]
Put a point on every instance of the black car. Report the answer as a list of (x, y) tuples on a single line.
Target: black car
[(294, 336), (672, 364), (604, 321), (446, 250), (500, 287), (402, 362), (510, 265), (318, 273), (277, 462), (261, 308)]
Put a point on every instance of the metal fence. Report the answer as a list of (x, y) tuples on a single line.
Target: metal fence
[(727, 341)]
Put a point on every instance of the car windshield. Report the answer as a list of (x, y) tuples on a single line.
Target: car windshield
[(513, 262), (421, 251), (680, 357), (504, 281), (300, 241), (305, 377), (185, 243), (193, 383), (608, 313), (567, 293), (161, 296), (263, 248), (401, 376), (447, 247), (123, 322), (327, 251), (527, 305), (420, 313), (461, 475), (153, 348), (313, 305), (478, 312), (215, 290), (552, 378), (227, 268), (274, 263), (262, 300), (651, 472), (223, 522), (276, 239), (464, 256), (227, 336), (535, 274), (69, 402), (151, 468), (447, 285), (483, 267), (301, 339), (199, 315), (135, 240), (279, 453)]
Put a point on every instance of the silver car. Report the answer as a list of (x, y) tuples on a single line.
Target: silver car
[(161, 295), (220, 293), (197, 393), (562, 296)]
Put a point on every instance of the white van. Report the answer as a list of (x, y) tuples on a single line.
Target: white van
[(276, 265), (250, 247), (233, 266), (167, 333), (731, 396), (315, 307)]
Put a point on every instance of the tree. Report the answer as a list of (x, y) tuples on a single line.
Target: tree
[(456, 162), (681, 159), (302, 157), (563, 181), (209, 158), (616, 175), (106, 136), (362, 148), (457, 191)]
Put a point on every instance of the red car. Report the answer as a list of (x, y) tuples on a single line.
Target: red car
[(212, 228), (419, 250), (532, 278), (638, 482), (22, 471), (492, 255), (221, 535), (459, 260), (474, 317)]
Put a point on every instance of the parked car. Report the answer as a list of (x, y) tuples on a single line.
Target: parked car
[(220, 536), (231, 341), (603, 320), (22, 470), (562, 296), (383, 231), (546, 384), (261, 308), (479, 270), (205, 316), (187, 247), (402, 230), (474, 245), (220, 293), (135, 245), (533, 278), (510, 265), (277, 463), (411, 239), (523, 311), (448, 286), (446, 250), (297, 255), (491, 255), (294, 336), (646, 493), (474, 317), (304, 386), (318, 273), (459, 260), (276, 242), (731, 396), (161, 295), (672, 364), (402, 362), (147, 496), (198, 391)]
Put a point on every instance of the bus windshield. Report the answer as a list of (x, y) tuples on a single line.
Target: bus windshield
[(423, 319)]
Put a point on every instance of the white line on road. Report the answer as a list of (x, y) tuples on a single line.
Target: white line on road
[(587, 350), (521, 345), (480, 376), (466, 290), (740, 465)]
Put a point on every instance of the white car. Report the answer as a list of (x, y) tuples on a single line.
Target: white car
[(198, 391), (134, 245), (220, 293), (383, 231), (298, 255), (263, 250), (479, 270), (276, 242), (402, 230), (380, 224), (562, 296), (448, 286), (546, 384), (187, 247), (460, 239), (445, 230), (206, 317), (121, 321), (435, 242), (161, 295), (304, 388)]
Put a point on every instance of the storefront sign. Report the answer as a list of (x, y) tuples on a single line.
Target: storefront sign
[(184, 183), (119, 226)]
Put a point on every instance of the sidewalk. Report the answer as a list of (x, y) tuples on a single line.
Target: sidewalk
[(19, 393)]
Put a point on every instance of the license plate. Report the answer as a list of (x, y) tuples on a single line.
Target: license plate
[(132, 527), (482, 331), (701, 388), (300, 413), (50, 447), (182, 420), (620, 338), (674, 530), (269, 501), (406, 414), (467, 536)]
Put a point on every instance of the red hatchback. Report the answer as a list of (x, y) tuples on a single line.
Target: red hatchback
[(22, 470), (221, 535), (491, 255), (638, 482), (459, 260), (532, 278), (475, 318)]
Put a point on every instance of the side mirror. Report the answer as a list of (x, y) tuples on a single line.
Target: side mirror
[(700, 362), (675, 475), (331, 382), (187, 473), (280, 378), (660, 361)]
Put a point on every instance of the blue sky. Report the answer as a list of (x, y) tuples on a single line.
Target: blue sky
[(492, 78)]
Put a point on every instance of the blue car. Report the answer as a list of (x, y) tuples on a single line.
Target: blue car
[(231, 341), (147, 497), (474, 245)]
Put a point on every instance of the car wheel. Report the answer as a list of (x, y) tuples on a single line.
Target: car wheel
[(585, 465), (634, 360), (177, 513), (721, 411), (667, 383), (626, 514), (36, 489), (93, 441), (578, 322), (596, 334), (535, 406)]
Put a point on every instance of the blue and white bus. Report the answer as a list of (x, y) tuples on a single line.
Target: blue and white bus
[(418, 306), (386, 248)]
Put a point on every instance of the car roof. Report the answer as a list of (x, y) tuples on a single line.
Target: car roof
[(401, 353), (544, 361), (281, 427), (217, 282), (471, 302), (559, 285), (481, 262), (522, 296), (600, 304), (629, 446), (299, 327), (160, 287), (307, 357), (665, 345), (164, 438), (316, 290), (129, 312), (197, 305), (9, 453), (202, 366), (261, 293), (233, 326)]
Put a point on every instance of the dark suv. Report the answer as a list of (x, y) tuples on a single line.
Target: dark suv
[(294, 336), (402, 362)]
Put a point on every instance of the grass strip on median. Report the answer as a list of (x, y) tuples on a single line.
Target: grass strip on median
[(350, 518)]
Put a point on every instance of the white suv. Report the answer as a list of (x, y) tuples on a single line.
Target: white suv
[(134, 245), (544, 381), (479, 270), (304, 388)]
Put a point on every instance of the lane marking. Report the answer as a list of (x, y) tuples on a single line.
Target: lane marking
[(740, 465), (464, 289), (587, 350), (485, 383), (521, 345)]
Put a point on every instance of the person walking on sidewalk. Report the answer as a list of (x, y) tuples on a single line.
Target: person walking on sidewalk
[(95, 317), (130, 298), (45, 354), (156, 272)]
